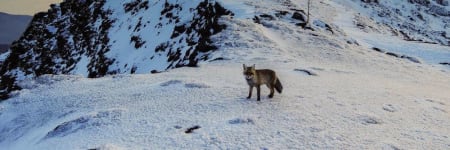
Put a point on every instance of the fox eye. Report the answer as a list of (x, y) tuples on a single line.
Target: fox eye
[(248, 73)]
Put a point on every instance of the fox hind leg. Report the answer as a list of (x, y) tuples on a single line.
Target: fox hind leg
[(271, 87)]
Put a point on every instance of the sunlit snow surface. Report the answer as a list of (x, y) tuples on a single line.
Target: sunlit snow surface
[(357, 99)]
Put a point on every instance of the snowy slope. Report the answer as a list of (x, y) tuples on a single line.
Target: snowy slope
[(356, 98), (343, 107), (371, 34), (98, 38), (425, 21)]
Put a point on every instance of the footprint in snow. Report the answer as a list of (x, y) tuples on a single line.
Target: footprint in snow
[(439, 109), (187, 85), (436, 107), (196, 85), (317, 69), (241, 121), (368, 120), (93, 120), (389, 108), (314, 129), (341, 71), (436, 102), (171, 82), (391, 147)]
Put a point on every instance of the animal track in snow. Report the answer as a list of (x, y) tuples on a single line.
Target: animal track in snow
[(196, 85), (433, 101), (171, 82), (241, 121), (368, 120), (390, 108), (96, 119)]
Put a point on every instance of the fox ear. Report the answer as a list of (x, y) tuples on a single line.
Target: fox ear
[(254, 66), (243, 66)]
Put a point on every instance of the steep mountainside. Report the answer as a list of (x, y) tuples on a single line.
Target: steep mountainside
[(415, 20), (95, 38)]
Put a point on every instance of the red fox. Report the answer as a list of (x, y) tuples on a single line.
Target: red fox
[(255, 78)]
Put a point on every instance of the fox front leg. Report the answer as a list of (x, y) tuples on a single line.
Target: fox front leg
[(250, 92), (258, 92)]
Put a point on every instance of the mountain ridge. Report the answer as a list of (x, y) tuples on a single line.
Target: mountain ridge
[(12, 27)]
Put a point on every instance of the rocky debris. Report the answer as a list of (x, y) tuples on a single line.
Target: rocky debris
[(191, 129), (307, 72), (410, 58)]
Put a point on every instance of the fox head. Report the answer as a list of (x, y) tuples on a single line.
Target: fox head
[(249, 72)]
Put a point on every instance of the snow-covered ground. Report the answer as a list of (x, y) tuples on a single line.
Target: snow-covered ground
[(379, 36), (357, 99)]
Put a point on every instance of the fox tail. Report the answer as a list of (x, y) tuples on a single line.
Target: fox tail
[(278, 86)]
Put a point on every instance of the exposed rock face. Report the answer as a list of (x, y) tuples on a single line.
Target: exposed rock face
[(91, 38)]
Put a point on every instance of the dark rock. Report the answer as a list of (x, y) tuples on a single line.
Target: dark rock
[(191, 129), (138, 42), (281, 13), (323, 25), (412, 59), (256, 20), (299, 16), (303, 24), (445, 63), (378, 49), (267, 16), (421, 2), (306, 71), (442, 2), (135, 6), (162, 47), (219, 58), (392, 54), (155, 71), (370, 1)]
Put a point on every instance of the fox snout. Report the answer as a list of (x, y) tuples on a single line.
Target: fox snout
[(248, 77)]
